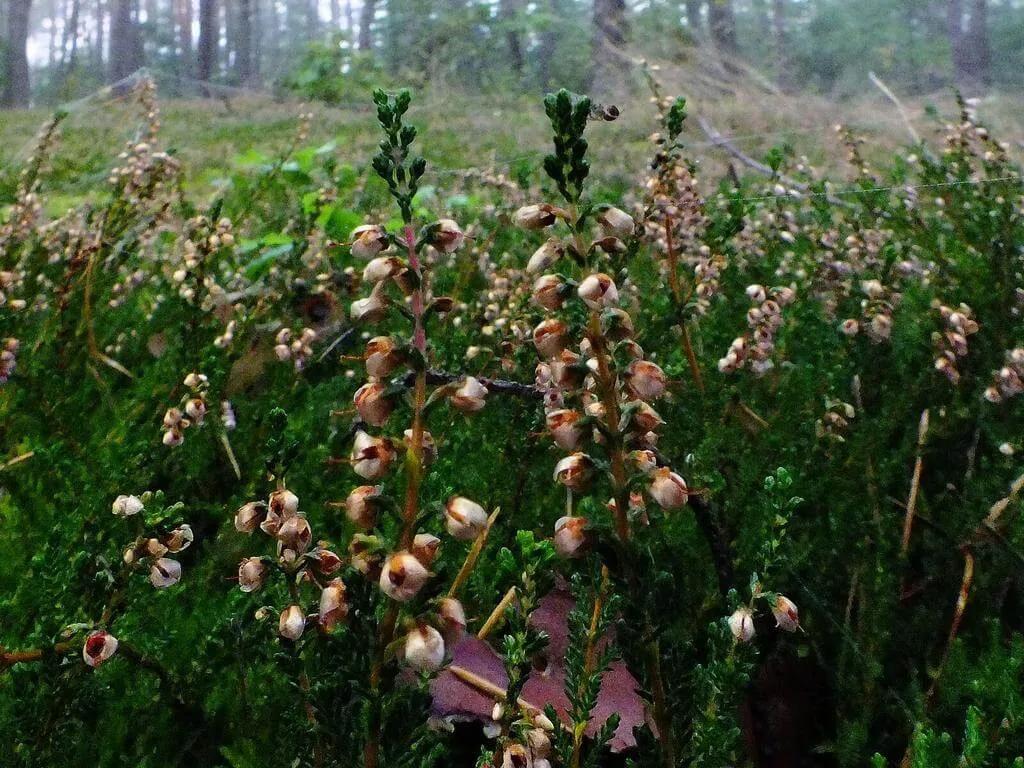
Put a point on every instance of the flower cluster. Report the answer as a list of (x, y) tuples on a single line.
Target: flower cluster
[(297, 560), (764, 318), (1008, 381), (8, 358), (951, 344), (191, 413), (295, 347), (835, 421), (151, 551)]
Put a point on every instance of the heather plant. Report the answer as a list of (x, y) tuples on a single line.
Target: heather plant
[(356, 464)]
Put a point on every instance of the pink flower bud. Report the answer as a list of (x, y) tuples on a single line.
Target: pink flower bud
[(382, 268), (295, 534), (470, 397), (372, 309), (402, 577), (786, 615), (447, 237), (333, 607), (545, 257), (535, 216), (570, 536), (549, 337), (548, 292), (99, 646), (575, 471), (741, 624), (464, 519), (164, 572), (126, 506), (373, 404), (424, 649), (361, 506), (283, 503), (249, 516), (251, 574), (292, 623), (371, 456), (382, 356), (564, 427), (179, 539), (668, 489), (368, 240), (598, 291), (646, 380), (616, 221)]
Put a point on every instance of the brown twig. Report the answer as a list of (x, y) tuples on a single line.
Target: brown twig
[(915, 483)]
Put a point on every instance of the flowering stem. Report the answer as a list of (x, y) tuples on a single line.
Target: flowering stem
[(413, 478), (610, 400), (673, 281)]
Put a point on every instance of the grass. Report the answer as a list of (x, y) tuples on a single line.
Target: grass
[(502, 132)]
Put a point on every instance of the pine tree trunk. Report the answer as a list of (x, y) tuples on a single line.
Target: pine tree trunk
[(693, 18), (969, 46), (126, 54), (508, 11), (17, 91), (366, 17), (244, 58), (611, 28), (722, 23), (183, 9), (782, 74), (206, 59)]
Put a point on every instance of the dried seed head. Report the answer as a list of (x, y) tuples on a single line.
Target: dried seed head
[(646, 380), (550, 337), (549, 292), (563, 424)]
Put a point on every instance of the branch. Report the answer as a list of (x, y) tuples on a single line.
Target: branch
[(436, 377), (720, 141)]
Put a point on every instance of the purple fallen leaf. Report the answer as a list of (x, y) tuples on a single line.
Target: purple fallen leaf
[(454, 697)]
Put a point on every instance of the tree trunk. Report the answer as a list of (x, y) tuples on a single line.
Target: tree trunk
[(508, 12), (366, 17), (101, 25), (969, 47), (206, 59), (126, 53), (17, 92), (183, 9), (722, 23), (781, 44), (549, 45), (611, 28), (693, 18), (244, 43)]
